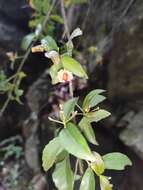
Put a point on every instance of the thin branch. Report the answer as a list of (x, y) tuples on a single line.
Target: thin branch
[(63, 12)]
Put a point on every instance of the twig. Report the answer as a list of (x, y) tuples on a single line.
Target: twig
[(63, 12)]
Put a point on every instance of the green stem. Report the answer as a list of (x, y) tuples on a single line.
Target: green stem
[(76, 169), (71, 89)]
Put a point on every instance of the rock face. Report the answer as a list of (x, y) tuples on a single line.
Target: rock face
[(117, 28), (133, 135), (13, 20)]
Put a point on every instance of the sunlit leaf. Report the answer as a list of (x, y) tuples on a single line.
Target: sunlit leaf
[(54, 72), (63, 175), (116, 161), (98, 166), (68, 107), (57, 18), (97, 115), (50, 152), (93, 98), (105, 183), (86, 128), (49, 43), (79, 1), (45, 6), (73, 66), (73, 141), (88, 180), (26, 41)]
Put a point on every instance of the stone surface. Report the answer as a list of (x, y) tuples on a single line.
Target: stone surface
[(14, 16), (132, 136)]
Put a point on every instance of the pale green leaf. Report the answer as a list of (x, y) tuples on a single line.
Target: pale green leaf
[(54, 72), (73, 66), (79, 1), (57, 18), (105, 183), (49, 43), (68, 107), (98, 166), (116, 161), (88, 180), (27, 40), (63, 175), (97, 115), (87, 130), (45, 5), (73, 141), (50, 153), (93, 98)]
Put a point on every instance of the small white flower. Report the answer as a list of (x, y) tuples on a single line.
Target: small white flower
[(64, 76), (54, 56)]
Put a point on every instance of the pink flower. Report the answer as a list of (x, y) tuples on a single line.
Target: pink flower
[(64, 76)]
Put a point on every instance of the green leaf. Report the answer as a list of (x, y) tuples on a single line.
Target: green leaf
[(50, 153), (73, 66), (116, 161), (36, 4), (54, 72), (26, 41), (105, 183), (93, 98), (86, 128), (49, 43), (74, 142), (57, 18), (79, 1), (68, 107), (98, 166), (97, 115), (88, 180), (45, 6), (62, 155), (63, 175)]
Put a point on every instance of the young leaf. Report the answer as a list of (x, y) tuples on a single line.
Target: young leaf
[(73, 66), (92, 99), (63, 175), (86, 128), (105, 183), (74, 142), (79, 1), (88, 180), (54, 72), (45, 5), (57, 18), (26, 41), (36, 4), (116, 161), (50, 152), (97, 115), (68, 107), (49, 43), (98, 166)]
